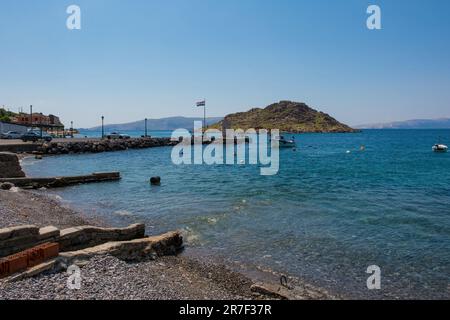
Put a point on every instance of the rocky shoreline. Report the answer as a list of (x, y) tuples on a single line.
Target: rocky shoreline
[(105, 145), (105, 277)]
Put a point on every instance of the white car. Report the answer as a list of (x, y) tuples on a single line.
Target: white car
[(117, 135), (11, 135)]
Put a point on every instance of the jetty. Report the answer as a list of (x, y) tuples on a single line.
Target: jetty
[(82, 145), (59, 182)]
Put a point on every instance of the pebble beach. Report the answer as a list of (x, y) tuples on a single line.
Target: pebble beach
[(108, 278)]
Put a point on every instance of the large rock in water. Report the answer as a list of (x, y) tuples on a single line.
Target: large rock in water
[(10, 166)]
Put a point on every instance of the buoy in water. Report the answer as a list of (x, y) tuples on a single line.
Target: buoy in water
[(155, 181)]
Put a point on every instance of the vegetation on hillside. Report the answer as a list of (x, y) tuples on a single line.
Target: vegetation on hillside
[(6, 115), (286, 116)]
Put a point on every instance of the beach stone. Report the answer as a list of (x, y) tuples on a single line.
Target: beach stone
[(10, 166), (6, 186), (155, 180)]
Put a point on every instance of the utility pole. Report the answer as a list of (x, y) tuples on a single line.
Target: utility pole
[(103, 128), (146, 127), (31, 116)]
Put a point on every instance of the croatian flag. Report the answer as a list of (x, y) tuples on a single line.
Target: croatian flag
[(201, 103)]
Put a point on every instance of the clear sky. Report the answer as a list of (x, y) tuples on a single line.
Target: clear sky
[(154, 58)]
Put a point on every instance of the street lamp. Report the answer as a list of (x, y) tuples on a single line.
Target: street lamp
[(71, 129), (31, 116), (103, 127), (146, 127)]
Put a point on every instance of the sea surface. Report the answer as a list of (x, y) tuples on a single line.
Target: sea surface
[(133, 134), (330, 213)]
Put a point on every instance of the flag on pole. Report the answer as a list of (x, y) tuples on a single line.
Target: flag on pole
[(201, 103)]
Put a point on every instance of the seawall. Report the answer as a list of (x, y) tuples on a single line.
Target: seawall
[(98, 145)]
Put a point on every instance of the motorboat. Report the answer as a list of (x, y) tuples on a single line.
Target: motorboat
[(285, 143), (440, 148)]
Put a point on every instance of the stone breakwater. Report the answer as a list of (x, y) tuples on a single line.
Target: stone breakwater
[(10, 166), (106, 145)]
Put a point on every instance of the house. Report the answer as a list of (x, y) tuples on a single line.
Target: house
[(37, 119)]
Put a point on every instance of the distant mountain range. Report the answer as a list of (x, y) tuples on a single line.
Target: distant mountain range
[(171, 123), (288, 116), (284, 115), (443, 123)]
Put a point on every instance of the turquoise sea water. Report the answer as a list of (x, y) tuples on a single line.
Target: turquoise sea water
[(325, 217)]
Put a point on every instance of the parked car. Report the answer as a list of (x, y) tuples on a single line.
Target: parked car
[(36, 136), (11, 135), (117, 135)]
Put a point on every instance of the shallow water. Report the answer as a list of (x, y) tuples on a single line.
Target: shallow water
[(325, 217)]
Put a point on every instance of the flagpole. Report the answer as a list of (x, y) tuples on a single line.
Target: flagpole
[(204, 116)]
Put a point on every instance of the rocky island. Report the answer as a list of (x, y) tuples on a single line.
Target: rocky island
[(287, 116)]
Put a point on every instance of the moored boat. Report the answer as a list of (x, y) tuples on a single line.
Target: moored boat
[(440, 148), (284, 143)]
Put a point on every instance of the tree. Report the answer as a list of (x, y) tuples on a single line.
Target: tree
[(6, 115)]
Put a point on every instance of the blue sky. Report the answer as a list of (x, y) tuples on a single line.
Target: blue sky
[(155, 58)]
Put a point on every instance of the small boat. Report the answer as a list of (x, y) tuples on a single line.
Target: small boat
[(284, 143), (440, 148)]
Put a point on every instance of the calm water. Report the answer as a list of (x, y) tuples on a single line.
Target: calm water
[(325, 217)]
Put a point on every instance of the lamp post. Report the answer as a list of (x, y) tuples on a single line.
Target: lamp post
[(71, 129), (31, 116), (103, 127), (146, 127)]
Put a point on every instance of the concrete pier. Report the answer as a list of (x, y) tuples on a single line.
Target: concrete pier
[(58, 182)]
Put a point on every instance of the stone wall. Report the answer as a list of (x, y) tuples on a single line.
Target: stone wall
[(26, 251), (133, 250), (5, 127), (97, 146), (10, 166), (86, 236), (16, 239), (28, 259)]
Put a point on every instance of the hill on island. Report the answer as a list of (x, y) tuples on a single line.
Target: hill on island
[(287, 116)]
